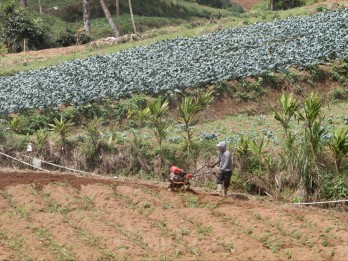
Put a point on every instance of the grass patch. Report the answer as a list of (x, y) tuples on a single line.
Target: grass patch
[(190, 201), (60, 252), (21, 211), (137, 239), (17, 243)]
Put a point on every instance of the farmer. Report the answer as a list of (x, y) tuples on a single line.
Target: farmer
[(226, 167)]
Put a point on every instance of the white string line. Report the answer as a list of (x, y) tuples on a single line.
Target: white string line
[(74, 170), (321, 202), (8, 156)]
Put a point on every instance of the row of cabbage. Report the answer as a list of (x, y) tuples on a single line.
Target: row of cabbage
[(172, 65)]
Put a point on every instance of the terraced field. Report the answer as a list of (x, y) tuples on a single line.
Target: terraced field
[(64, 217)]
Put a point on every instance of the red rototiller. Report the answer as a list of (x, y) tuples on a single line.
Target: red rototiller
[(179, 179)]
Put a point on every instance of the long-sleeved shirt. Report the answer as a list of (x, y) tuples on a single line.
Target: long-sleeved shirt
[(225, 158)]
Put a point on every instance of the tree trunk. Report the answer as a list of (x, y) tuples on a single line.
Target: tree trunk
[(86, 22), (109, 17), (131, 13), (118, 14), (40, 7), (272, 4), (23, 3)]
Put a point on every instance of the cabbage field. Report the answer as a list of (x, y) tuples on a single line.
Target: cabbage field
[(172, 65)]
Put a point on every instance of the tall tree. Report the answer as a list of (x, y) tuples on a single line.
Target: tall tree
[(40, 7), (272, 2), (109, 17), (23, 3), (118, 14), (86, 22), (132, 17)]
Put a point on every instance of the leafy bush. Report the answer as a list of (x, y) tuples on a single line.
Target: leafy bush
[(30, 122), (316, 74), (287, 4), (17, 26), (339, 94), (334, 188), (322, 8), (173, 65), (3, 49), (222, 4), (66, 37)]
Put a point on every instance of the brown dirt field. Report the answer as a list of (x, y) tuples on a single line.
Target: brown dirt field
[(65, 217), (247, 4)]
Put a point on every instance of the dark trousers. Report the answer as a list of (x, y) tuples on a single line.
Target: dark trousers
[(224, 178)]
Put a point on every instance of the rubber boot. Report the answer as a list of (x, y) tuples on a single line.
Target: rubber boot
[(225, 192), (219, 189)]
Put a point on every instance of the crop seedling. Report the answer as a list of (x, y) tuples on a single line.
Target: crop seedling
[(195, 251), (167, 205), (184, 232), (229, 247)]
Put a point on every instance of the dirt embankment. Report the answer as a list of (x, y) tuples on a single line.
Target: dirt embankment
[(64, 217)]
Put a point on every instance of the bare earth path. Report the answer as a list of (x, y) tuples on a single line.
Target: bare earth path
[(64, 217)]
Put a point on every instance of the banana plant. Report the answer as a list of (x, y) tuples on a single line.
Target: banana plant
[(339, 146), (140, 116), (311, 111), (243, 152), (157, 110), (311, 116), (94, 132), (188, 108), (113, 132), (61, 127), (288, 107), (41, 137), (204, 98)]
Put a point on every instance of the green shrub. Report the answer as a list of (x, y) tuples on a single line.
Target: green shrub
[(339, 94), (222, 89), (343, 69), (322, 8), (316, 74), (3, 49), (66, 37), (29, 123), (334, 188), (231, 6), (287, 4), (17, 26), (270, 80)]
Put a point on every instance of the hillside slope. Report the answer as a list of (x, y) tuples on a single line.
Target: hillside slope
[(173, 65), (68, 218)]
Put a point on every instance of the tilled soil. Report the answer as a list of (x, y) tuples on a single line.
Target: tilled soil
[(65, 217)]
